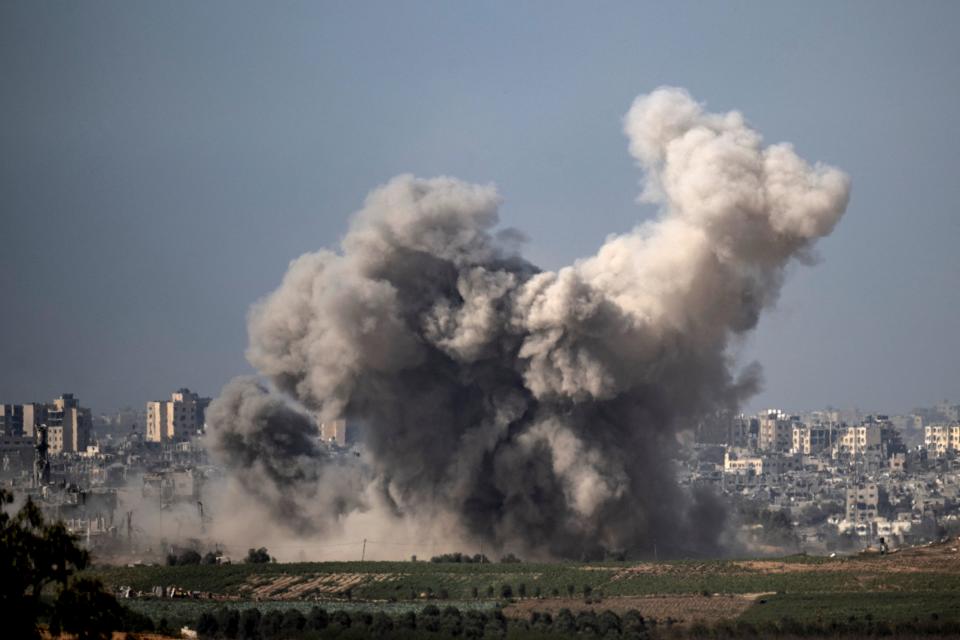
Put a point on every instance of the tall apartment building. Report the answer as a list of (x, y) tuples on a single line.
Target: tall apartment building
[(69, 425), (22, 419), (862, 502), (859, 440), (176, 419), (11, 419), (876, 438), (776, 431), (939, 439), (810, 440)]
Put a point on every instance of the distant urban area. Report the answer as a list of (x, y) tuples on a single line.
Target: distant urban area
[(820, 482)]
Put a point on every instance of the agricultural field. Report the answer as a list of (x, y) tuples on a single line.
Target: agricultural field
[(914, 585)]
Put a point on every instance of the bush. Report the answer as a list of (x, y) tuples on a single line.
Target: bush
[(509, 558)]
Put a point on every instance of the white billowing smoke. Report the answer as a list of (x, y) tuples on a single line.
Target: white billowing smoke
[(535, 409)]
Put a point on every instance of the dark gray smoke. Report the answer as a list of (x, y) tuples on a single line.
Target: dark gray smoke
[(271, 449), (534, 409)]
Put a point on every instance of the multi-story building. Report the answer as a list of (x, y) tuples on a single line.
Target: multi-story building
[(938, 439), (22, 419), (740, 462), (776, 431), (64, 415), (74, 421), (176, 419), (11, 419), (862, 502), (874, 439), (16, 455), (810, 440)]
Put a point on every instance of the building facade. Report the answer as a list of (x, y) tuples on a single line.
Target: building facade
[(940, 439), (863, 500), (176, 419), (811, 440), (776, 431), (64, 417)]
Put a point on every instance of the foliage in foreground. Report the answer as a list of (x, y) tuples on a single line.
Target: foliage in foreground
[(36, 556), (449, 622)]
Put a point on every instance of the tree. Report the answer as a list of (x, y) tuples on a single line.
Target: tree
[(35, 554), (341, 618), (317, 619), (271, 624), (228, 622), (250, 624), (87, 611), (188, 556), (258, 556), (207, 626), (293, 623)]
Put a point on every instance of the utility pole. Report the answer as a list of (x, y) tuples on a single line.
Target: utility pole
[(363, 554)]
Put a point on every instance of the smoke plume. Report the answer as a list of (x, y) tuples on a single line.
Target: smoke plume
[(533, 409)]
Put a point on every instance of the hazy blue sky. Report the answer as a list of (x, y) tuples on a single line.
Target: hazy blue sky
[(161, 163)]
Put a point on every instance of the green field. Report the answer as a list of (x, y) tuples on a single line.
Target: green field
[(828, 608), (396, 580), (915, 588)]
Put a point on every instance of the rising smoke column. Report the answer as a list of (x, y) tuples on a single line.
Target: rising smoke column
[(535, 408)]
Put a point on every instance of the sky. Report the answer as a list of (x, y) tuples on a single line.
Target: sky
[(162, 162)]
